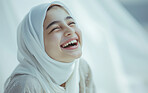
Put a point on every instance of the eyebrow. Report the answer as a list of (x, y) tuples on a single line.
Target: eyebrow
[(55, 22), (68, 17)]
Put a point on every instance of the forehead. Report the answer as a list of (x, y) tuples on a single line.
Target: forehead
[(56, 6), (56, 12)]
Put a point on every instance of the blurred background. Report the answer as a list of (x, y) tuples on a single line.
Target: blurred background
[(115, 40)]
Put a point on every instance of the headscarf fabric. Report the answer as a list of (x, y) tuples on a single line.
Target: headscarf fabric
[(34, 60)]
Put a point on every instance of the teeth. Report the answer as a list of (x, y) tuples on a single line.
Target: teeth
[(71, 42), (66, 45)]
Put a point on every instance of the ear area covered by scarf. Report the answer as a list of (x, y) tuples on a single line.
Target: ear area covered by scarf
[(35, 62)]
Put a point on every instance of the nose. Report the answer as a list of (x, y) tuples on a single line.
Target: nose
[(69, 31)]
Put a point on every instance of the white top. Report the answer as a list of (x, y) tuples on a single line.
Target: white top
[(37, 72), (28, 84)]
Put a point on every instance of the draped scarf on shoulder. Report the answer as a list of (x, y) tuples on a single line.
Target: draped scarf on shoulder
[(35, 62)]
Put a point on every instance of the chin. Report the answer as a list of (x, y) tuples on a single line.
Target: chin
[(73, 57), (78, 55)]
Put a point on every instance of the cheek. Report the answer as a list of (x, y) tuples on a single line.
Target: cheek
[(53, 40), (79, 34), (52, 45)]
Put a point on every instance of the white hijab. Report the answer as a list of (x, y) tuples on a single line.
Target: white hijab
[(35, 62)]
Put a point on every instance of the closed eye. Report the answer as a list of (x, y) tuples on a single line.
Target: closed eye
[(71, 23), (56, 28)]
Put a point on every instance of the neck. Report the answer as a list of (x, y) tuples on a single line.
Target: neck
[(60, 72), (63, 85)]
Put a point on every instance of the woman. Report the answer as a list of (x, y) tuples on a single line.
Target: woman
[(49, 51)]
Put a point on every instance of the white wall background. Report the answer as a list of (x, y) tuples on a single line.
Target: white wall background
[(115, 44)]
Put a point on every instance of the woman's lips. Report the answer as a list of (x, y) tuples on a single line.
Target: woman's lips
[(70, 44), (72, 47)]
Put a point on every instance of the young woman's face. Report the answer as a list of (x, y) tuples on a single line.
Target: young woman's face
[(62, 37)]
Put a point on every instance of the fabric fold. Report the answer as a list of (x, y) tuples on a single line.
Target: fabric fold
[(34, 60)]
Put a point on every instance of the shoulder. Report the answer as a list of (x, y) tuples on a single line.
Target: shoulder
[(23, 84), (86, 79), (83, 65), (84, 69)]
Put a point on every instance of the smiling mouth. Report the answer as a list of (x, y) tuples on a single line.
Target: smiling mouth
[(70, 44)]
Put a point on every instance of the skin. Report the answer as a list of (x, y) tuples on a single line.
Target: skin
[(60, 32), (64, 30)]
